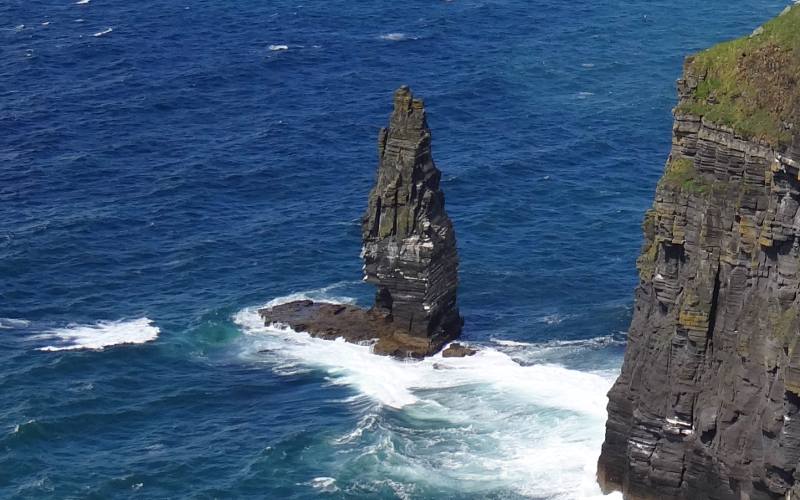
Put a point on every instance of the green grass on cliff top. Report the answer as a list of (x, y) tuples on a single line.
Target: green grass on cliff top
[(751, 84)]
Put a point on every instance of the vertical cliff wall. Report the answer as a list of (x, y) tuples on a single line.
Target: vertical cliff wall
[(708, 401), (409, 244)]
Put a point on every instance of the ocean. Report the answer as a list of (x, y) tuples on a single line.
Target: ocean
[(168, 167)]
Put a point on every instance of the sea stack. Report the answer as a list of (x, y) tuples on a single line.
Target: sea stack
[(409, 243), (409, 252), (707, 405)]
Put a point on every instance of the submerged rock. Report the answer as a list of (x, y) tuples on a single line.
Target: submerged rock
[(409, 251), (707, 405)]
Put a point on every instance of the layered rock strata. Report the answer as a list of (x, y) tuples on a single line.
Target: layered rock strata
[(707, 405), (409, 252), (409, 243)]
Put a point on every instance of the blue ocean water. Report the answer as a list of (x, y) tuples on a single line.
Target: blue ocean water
[(166, 167)]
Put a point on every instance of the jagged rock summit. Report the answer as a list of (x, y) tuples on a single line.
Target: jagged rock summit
[(409, 252), (707, 405)]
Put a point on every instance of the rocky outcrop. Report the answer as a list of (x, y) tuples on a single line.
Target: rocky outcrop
[(707, 405), (409, 251), (409, 243), (456, 350)]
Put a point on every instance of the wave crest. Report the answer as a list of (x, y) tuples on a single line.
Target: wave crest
[(100, 335)]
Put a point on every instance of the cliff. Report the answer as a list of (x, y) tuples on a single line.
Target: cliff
[(708, 401), (409, 252)]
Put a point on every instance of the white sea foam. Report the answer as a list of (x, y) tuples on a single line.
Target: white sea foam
[(82, 2), (104, 32), (396, 37), (275, 48), (8, 323), (324, 294), (553, 319), (366, 423), (325, 484), (100, 335), (498, 425), (555, 351), (511, 343), (20, 427), (602, 341)]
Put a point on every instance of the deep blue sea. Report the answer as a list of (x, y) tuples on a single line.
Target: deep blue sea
[(166, 167)]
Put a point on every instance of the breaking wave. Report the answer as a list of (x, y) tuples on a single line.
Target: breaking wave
[(595, 342), (100, 335), (479, 424), (9, 323), (397, 37)]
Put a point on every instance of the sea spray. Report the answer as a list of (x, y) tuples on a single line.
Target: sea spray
[(479, 424), (100, 335)]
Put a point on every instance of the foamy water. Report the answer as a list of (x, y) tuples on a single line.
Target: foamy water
[(535, 430), (397, 37), (100, 335), (8, 323)]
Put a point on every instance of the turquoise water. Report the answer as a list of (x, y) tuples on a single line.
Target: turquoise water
[(166, 167)]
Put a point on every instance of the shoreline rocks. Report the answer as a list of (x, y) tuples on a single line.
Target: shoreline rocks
[(456, 350)]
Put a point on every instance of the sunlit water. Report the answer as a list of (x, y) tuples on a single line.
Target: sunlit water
[(168, 167)]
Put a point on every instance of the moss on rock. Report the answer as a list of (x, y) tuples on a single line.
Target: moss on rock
[(681, 174), (751, 84)]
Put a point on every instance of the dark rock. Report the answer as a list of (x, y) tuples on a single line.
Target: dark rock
[(353, 324), (409, 243), (456, 350), (409, 252), (707, 405)]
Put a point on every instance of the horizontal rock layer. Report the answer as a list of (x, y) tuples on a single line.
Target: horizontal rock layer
[(409, 242)]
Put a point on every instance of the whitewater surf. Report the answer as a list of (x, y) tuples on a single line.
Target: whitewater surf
[(482, 423)]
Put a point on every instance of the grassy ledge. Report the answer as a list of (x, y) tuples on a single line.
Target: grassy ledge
[(681, 174), (751, 84)]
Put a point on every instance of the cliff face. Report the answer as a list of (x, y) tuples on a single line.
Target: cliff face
[(409, 244), (409, 251), (708, 401)]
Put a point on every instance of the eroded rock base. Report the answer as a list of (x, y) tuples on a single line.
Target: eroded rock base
[(359, 326)]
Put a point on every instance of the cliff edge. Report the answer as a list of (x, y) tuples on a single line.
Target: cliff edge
[(708, 401), (409, 252)]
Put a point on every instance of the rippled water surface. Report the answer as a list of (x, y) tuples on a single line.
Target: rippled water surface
[(166, 167)]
